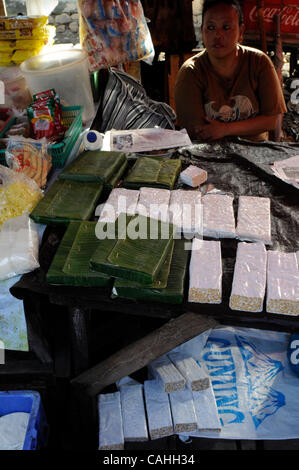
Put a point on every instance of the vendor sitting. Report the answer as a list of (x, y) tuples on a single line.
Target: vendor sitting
[(227, 89)]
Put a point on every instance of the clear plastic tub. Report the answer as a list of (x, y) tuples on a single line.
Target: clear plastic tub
[(16, 92), (66, 71)]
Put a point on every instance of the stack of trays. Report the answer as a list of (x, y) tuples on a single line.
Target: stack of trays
[(156, 173), (67, 201), (97, 166)]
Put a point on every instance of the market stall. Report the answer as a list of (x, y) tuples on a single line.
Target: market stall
[(95, 309)]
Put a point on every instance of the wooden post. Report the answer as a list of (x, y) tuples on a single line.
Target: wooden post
[(278, 63), (2, 8), (260, 15)]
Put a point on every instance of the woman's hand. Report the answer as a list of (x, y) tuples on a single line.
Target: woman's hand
[(213, 130)]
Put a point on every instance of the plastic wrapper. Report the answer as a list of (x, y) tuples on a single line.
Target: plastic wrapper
[(193, 176), (249, 281), (42, 32), (133, 413), (18, 194), (120, 200), (125, 382), (111, 435), (29, 157), (195, 376), (282, 283), (22, 22), (218, 216), (153, 203), (23, 54), (114, 32), (19, 244), (205, 279), (163, 370), (183, 411), (158, 410), (254, 219), (185, 210), (13, 428)]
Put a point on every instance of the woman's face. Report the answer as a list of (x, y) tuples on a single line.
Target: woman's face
[(221, 31)]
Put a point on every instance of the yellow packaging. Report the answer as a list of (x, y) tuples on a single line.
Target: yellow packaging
[(9, 23), (43, 32), (24, 54), (29, 43), (7, 46)]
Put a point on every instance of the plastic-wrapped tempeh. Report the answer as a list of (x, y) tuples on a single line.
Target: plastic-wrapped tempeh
[(158, 410), (254, 219), (163, 370), (133, 413), (218, 216), (206, 410), (153, 203), (185, 211), (111, 435), (205, 284), (249, 281), (282, 283), (183, 411), (196, 377), (193, 176), (120, 200)]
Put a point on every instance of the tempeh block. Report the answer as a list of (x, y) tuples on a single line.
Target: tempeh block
[(120, 200), (111, 435), (193, 176), (185, 211), (158, 410), (196, 378), (254, 219), (218, 216), (205, 284), (206, 410), (162, 369), (183, 412), (153, 203), (133, 413), (249, 281), (282, 284)]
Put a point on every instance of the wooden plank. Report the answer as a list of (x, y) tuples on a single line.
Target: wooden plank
[(140, 353), (78, 321)]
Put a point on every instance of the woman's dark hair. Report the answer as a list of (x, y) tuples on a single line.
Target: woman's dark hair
[(234, 3)]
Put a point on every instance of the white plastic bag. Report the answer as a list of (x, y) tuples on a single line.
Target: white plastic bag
[(19, 244)]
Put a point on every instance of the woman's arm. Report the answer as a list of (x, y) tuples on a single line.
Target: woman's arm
[(215, 129)]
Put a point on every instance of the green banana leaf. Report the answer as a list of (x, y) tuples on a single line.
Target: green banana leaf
[(138, 259), (174, 291), (84, 276), (67, 201), (152, 172), (96, 165)]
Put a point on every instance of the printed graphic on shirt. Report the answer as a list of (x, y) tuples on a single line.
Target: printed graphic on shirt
[(239, 107)]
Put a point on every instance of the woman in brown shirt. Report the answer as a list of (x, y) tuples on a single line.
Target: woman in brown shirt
[(227, 89)]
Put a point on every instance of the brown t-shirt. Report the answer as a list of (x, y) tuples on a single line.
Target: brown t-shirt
[(254, 90)]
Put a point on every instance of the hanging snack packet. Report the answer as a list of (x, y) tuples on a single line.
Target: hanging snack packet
[(30, 157)]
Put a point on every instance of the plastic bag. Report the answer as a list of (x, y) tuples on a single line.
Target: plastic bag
[(19, 244), (18, 194), (114, 32), (30, 157)]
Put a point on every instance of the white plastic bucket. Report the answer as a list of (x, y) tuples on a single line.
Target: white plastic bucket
[(66, 71)]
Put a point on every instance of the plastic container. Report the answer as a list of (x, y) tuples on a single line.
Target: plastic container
[(72, 119), (65, 70), (16, 92), (93, 140), (27, 401)]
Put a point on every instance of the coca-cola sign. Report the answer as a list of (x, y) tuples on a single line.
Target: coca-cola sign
[(289, 17)]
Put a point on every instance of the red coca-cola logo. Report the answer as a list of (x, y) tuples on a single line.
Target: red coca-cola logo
[(289, 15)]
